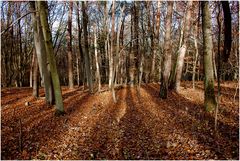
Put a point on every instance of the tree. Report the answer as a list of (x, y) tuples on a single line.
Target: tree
[(227, 30), (41, 54), (98, 76), (177, 70), (166, 65), (43, 11), (35, 76), (85, 48), (69, 44), (111, 55), (80, 54), (209, 96)]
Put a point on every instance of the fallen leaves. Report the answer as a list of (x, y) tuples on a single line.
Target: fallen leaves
[(139, 126)]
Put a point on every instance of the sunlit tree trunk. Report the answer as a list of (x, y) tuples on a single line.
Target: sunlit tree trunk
[(209, 100), (96, 59), (166, 65), (69, 44), (183, 49), (118, 56), (111, 65), (43, 9), (35, 76)]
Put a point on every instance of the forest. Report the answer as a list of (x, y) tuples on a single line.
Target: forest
[(120, 80)]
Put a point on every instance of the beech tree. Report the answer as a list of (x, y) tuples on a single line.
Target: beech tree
[(43, 11), (85, 48), (41, 54), (177, 70), (209, 99), (69, 39), (166, 65)]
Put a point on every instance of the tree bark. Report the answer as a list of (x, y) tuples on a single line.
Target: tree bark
[(183, 49), (41, 55), (43, 10), (166, 65), (69, 44), (80, 54), (96, 59), (35, 77), (88, 70), (111, 65), (118, 56), (209, 100), (196, 56)]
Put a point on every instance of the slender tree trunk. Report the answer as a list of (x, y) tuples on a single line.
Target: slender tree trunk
[(96, 60), (218, 67), (88, 70), (69, 44), (112, 52), (80, 54), (118, 56), (155, 46), (166, 65), (196, 55), (106, 42), (43, 9), (183, 49), (209, 101), (35, 77), (31, 70)]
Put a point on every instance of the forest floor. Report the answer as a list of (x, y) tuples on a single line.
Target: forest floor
[(139, 126)]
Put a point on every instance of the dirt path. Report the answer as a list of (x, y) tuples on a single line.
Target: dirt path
[(138, 126)]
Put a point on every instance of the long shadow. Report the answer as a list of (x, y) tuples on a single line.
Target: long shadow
[(46, 127), (225, 145), (22, 111), (225, 91), (138, 127), (101, 142)]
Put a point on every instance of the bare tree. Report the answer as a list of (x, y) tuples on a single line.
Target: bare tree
[(43, 11), (166, 65), (88, 70), (69, 44), (209, 101)]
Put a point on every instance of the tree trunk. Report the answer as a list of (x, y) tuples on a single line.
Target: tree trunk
[(111, 72), (35, 76), (88, 70), (118, 56), (80, 54), (183, 49), (96, 60), (209, 101), (43, 10), (227, 31), (31, 71), (69, 44), (166, 65), (41, 55), (196, 55), (155, 46)]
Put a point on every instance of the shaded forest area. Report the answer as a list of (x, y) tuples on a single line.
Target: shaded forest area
[(120, 80)]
